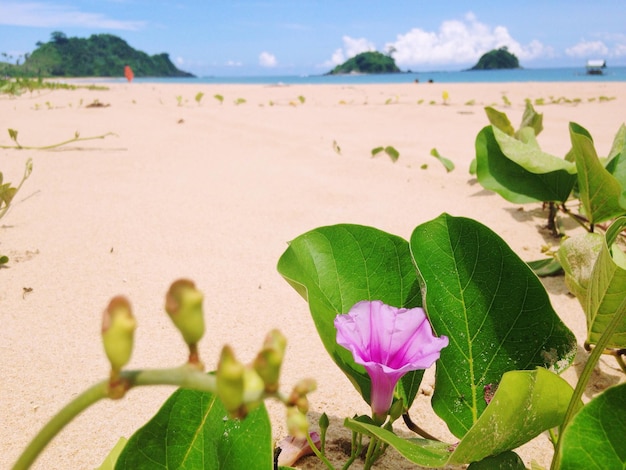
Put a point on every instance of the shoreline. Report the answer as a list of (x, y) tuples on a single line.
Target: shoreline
[(213, 191)]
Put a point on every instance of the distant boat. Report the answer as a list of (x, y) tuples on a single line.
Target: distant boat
[(596, 67)]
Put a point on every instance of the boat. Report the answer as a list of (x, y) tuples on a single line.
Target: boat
[(596, 66)]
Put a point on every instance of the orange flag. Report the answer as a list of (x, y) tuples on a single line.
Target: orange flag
[(128, 73)]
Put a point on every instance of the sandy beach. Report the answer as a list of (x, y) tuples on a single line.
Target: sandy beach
[(213, 192)]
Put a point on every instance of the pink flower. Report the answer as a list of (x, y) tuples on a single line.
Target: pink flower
[(388, 342)]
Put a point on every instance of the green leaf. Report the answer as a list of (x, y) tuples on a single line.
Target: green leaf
[(607, 289), (337, 266), (600, 192), (492, 307), (447, 164), (393, 153), (497, 172), (531, 119), (577, 255), (419, 451), (499, 120), (525, 404), (192, 431), (504, 461), (546, 267), (109, 461), (377, 150), (4, 260), (595, 437)]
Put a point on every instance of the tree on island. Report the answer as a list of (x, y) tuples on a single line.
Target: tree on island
[(497, 59), (367, 62), (100, 55)]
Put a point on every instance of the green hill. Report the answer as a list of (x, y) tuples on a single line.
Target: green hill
[(367, 62), (497, 59), (100, 55)]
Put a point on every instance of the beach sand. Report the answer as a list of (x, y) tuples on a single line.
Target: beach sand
[(214, 192)]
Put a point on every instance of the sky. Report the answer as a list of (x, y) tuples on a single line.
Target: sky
[(303, 37)]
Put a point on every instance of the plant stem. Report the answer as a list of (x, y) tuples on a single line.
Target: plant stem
[(317, 452), (594, 357), (416, 429), (60, 144), (185, 376), (58, 422)]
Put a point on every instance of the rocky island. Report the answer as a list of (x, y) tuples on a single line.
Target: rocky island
[(100, 55), (497, 59), (367, 62)]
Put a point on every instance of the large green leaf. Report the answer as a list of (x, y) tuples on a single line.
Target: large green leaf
[(337, 266), (499, 173), (595, 437), (525, 404), (492, 307), (192, 431), (607, 289), (505, 461), (599, 191), (500, 120)]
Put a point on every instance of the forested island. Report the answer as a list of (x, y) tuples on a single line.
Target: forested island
[(367, 62), (497, 59), (100, 55)]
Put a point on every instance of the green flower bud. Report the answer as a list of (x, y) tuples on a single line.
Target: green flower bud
[(230, 381), (253, 389), (269, 360), (396, 410), (297, 424), (118, 327), (183, 303)]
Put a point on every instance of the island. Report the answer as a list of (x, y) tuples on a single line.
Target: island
[(100, 55), (367, 62), (497, 59)]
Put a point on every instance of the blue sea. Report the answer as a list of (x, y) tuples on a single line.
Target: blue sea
[(611, 74)]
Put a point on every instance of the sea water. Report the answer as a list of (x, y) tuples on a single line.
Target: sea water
[(611, 74)]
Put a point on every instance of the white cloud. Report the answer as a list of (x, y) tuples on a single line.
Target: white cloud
[(351, 47), (49, 15), (267, 60), (586, 49), (459, 42), (179, 60), (234, 63)]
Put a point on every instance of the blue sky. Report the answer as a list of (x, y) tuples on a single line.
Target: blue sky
[(295, 37)]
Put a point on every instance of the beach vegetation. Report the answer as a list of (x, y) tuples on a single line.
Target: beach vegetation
[(446, 162), (389, 150), (445, 96), (13, 133), (301, 99), (8, 192), (239, 101), (511, 163), (199, 97), (219, 98)]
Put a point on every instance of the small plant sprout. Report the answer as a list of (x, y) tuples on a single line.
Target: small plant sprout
[(302, 99), (506, 101), (447, 164), (77, 138), (199, 97), (389, 150), (179, 100), (445, 96), (239, 101), (219, 98)]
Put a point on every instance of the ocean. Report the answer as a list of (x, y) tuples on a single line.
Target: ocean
[(578, 74)]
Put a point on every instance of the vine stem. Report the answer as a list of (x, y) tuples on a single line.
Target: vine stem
[(186, 376), (60, 144), (594, 357)]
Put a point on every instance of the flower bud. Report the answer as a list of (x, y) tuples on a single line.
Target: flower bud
[(253, 388), (396, 410), (183, 303), (230, 381), (118, 327), (269, 360), (297, 424)]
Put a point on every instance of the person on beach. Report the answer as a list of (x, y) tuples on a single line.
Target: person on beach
[(128, 73)]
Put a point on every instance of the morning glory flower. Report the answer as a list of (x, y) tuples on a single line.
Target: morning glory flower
[(388, 342)]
